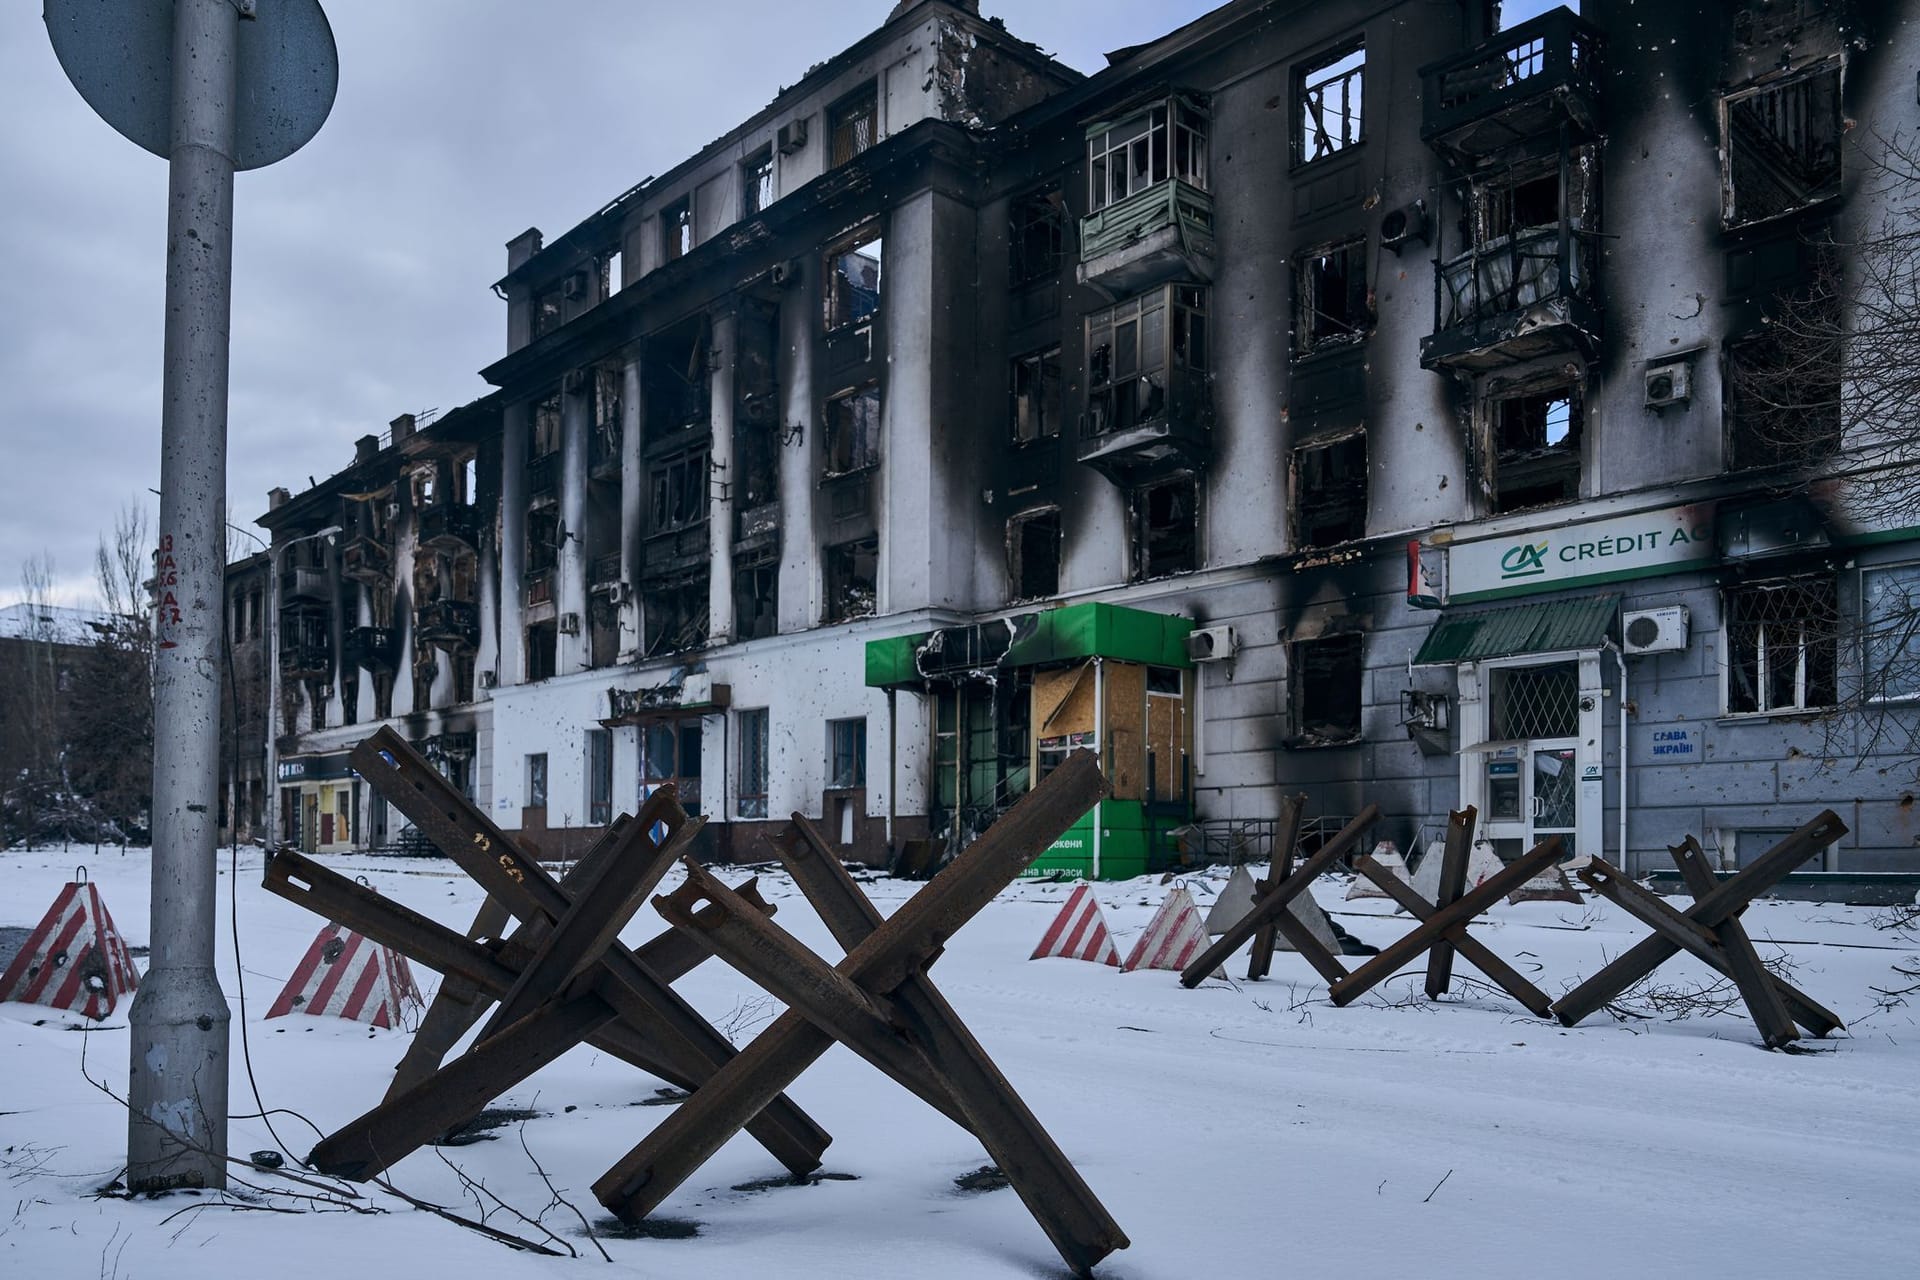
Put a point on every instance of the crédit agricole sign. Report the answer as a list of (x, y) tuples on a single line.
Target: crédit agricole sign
[(1608, 550)]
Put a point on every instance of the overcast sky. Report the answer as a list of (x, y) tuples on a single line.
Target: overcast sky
[(362, 263)]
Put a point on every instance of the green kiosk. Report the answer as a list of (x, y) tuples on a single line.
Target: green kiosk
[(1010, 698)]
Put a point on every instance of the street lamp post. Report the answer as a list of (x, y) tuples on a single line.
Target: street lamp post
[(273, 676)]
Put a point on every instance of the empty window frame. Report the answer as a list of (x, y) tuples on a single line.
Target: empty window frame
[(1536, 447), (1782, 397), (756, 183), (753, 726), (599, 777), (1036, 395), (1890, 618), (1036, 236), (847, 753), (1331, 306), (547, 310), (677, 491), (542, 651), (1780, 145), (853, 124), (852, 578), (1330, 491), (544, 438), (676, 229), (543, 539), (537, 780), (1132, 347), (756, 595), (852, 290), (853, 430), (1033, 554), (1327, 103), (1169, 140), (1327, 679), (1166, 528), (1782, 645), (676, 613)]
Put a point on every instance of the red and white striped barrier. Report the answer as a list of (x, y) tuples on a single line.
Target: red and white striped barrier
[(1079, 932), (343, 975), (1173, 938), (74, 959)]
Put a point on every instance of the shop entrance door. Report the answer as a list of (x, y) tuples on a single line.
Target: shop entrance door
[(1531, 763)]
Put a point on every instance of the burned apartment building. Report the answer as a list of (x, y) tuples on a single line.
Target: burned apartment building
[(1378, 403), (243, 790)]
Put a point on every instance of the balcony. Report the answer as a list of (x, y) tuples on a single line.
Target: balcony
[(543, 476), (367, 560), (1148, 426), (1522, 85), (1514, 299), (449, 624), (306, 584), (375, 648), (306, 642), (449, 528), (1158, 234), (539, 586)]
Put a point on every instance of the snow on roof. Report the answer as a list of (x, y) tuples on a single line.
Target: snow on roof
[(54, 622)]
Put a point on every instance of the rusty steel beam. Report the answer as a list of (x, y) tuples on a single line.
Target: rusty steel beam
[(1452, 883), (1466, 907), (1286, 838), (1726, 899), (1742, 962), (1269, 907), (456, 1007), (1045, 1180), (645, 1176)]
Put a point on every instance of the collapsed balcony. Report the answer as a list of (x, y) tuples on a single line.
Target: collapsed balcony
[(1149, 396), (447, 527), (366, 559), (1514, 299), (449, 624), (374, 648), (1523, 84)]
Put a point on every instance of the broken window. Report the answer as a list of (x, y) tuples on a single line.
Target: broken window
[(1781, 145), (1036, 235), (1890, 613), (544, 439), (1166, 528), (1536, 448), (1033, 554), (847, 753), (1330, 297), (1330, 491), (676, 385), (1036, 396), (382, 695), (599, 777), (676, 229), (1167, 141), (677, 491), (853, 279), (537, 781), (756, 595), (853, 430), (543, 640), (854, 124), (1328, 676), (1516, 203), (1130, 348), (1781, 645), (853, 574), (756, 183), (543, 540), (547, 310), (1328, 103), (1782, 397), (675, 613), (756, 418), (751, 802)]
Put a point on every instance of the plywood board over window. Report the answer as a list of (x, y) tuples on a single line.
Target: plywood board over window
[(1167, 721), (1124, 739), (1063, 701)]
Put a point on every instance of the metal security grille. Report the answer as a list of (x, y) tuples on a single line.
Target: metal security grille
[(1781, 645), (1535, 702)]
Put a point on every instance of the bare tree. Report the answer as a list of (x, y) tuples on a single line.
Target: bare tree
[(34, 737), (112, 709)]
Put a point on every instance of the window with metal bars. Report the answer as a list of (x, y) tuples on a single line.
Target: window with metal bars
[(854, 123), (1782, 645), (1534, 702), (752, 799)]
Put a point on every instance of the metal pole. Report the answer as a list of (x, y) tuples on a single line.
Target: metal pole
[(273, 697), (177, 1086)]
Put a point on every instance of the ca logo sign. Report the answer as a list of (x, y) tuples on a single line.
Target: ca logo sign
[(1524, 560)]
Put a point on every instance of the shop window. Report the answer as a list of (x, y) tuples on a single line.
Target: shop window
[(756, 595), (537, 780), (1036, 236), (1331, 307), (1890, 608), (1328, 103), (752, 798), (1166, 528), (1534, 702), (1782, 643), (853, 124), (1327, 678), (1780, 145), (677, 491), (1036, 396), (671, 753), (1783, 395), (676, 229), (1033, 554), (847, 753), (852, 573), (853, 430), (1167, 141), (756, 183), (1330, 491), (852, 276), (599, 777), (542, 648), (1536, 448)]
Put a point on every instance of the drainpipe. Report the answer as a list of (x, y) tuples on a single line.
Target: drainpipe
[(1099, 746), (893, 765), (1620, 660)]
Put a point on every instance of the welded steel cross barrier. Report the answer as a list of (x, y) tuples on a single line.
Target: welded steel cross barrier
[(879, 1002), (562, 979), (1710, 930)]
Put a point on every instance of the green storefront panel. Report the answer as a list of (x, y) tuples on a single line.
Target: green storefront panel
[(1132, 843), (1103, 631), (890, 661)]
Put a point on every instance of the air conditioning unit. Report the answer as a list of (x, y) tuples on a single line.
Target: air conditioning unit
[(785, 274), (1211, 644), (569, 624), (793, 136), (1669, 383), (1654, 630), (487, 679), (576, 285), (1404, 226)]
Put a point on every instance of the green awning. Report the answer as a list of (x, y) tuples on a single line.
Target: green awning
[(1543, 626), (1030, 639)]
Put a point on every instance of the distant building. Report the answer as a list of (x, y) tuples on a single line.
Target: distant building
[(44, 654), (1378, 405), (243, 702)]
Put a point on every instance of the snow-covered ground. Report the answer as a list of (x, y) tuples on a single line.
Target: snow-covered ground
[(1236, 1130)]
